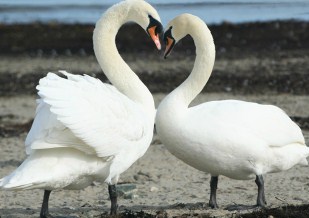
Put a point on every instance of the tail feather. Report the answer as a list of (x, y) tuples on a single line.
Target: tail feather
[(11, 186), (6, 183)]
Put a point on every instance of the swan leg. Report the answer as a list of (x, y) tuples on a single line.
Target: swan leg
[(261, 201), (113, 196), (213, 192), (44, 210)]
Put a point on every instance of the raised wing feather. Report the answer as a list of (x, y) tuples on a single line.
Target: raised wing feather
[(48, 132), (95, 116)]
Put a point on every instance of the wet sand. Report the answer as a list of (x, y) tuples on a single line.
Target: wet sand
[(262, 69)]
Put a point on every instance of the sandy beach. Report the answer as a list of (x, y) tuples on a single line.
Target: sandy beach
[(261, 62)]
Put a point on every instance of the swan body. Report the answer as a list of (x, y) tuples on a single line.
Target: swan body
[(237, 139), (85, 130), (231, 145), (84, 119)]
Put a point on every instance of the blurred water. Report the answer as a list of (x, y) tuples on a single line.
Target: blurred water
[(211, 11)]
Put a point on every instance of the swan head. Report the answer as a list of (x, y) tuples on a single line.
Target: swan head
[(148, 18), (177, 29)]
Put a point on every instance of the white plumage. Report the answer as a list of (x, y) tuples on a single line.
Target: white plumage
[(85, 130), (85, 123), (237, 139)]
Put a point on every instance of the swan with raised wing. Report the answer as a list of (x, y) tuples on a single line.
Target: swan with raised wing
[(237, 139), (85, 130)]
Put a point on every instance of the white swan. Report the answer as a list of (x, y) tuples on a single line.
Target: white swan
[(85, 130), (237, 139)]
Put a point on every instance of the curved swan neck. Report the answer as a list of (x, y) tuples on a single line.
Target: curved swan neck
[(203, 65), (112, 64)]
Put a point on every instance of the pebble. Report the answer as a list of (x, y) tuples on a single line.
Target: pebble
[(154, 189), (127, 191)]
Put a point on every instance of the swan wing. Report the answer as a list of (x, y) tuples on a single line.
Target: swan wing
[(48, 132), (267, 122), (92, 115)]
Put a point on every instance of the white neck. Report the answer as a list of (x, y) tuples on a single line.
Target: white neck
[(204, 62), (115, 68)]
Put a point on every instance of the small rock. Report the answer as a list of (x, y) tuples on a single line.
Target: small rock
[(40, 53), (86, 205), (82, 52), (126, 187), (127, 191), (130, 196), (228, 89), (53, 53), (68, 52), (154, 189)]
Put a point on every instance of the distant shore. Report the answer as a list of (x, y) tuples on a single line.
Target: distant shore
[(251, 58), (57, 38)]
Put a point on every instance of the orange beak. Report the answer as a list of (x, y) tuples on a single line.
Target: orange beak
[(168, 47), (155, 37)]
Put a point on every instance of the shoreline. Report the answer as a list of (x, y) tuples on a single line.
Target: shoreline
[(251, 57), (281, 72), (56, 38)]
